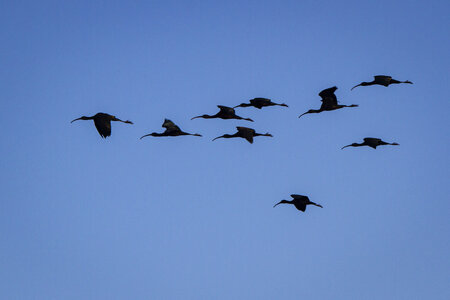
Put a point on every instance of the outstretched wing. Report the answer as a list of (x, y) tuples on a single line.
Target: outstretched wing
[(260, 101), (328, 96), (299, 197), (168, 123), (226, 109), (371, 140), (103, 126), (383, 79), (246, 133), (300, 206)]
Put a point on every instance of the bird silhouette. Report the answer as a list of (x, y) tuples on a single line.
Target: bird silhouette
[(299, 201), (329, 102), (260, 103), (224, 113), (171, 130), (371, 142), (383, 80), (102, 122), (243, 132)]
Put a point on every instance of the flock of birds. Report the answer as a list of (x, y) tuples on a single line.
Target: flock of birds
[(102, 122)]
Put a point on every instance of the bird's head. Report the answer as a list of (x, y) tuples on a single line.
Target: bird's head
[(223, 136), (202, 116), (282, 201), (308, 112), (81, 118), (351, 145), (150, 134)]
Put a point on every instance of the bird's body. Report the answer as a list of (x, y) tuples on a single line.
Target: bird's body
[(383, 80), (371, 142), (225, 113), (299, 201), (171, 130), (260, 103), (244, 132), (102, 122), (329, 102)]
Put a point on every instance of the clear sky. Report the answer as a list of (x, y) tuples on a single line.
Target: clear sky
[(187, 218)]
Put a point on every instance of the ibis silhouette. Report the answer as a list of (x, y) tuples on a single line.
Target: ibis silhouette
[(329, 102), (260, 103), (224, 113), (102, 122), (171, 130), (299, 201), (371, 142), (383, 80), (243, 132)]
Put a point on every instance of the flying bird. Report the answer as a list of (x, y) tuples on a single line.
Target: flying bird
[(329, 102), (243, 132), (260, 103), (371, 142), (225, 113), (102, 122), (299, 201), (383, 80), (171, 130)]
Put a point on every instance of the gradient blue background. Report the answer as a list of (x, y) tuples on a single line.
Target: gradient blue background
[(187, 218)]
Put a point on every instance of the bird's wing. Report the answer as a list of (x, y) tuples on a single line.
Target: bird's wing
[(371, 140), (383, 79), (103, 126), (172, 129), (226, 109), (167, 123), (296, 196), (260, 100), (300, 206), (328, 103), (246, 133), (328, 96)]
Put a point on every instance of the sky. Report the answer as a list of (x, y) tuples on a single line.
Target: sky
[(83, 217)]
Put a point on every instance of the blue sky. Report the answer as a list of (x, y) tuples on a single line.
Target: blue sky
[(187, 218)]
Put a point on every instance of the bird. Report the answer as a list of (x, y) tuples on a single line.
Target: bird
[(224, 113), (102, 122), (260, 103), (371, 142), (382, 80), (329, 102), (171, 130), (299, 201), (243, 132)]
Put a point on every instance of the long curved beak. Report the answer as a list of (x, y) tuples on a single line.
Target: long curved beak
[(196, 134), (345, 147), (277, 203), (145, 136), (248, 119), (196, 117), (75, 120), (354, 87), (217, 138), (303, 114)]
